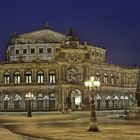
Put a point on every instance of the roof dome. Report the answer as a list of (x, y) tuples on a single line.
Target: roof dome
[(45, 35)]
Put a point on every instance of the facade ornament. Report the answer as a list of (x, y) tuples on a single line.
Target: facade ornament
[(47, 25), (73, 75), (71, 35)]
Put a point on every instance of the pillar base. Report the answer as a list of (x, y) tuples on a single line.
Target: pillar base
[(93, 127), (29, 114)]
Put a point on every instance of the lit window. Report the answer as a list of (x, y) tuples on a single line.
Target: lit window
[(112, 79), (6, 78), (105, 78), (40, 76), (52, 77), (97, 76), (17, 78), (28, 77)]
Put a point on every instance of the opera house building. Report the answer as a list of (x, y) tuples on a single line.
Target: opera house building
[(53, 68)]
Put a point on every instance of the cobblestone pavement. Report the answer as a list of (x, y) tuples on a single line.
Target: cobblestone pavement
[(73, 126)]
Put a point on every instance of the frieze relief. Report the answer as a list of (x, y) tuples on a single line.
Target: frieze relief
[(73, 74)]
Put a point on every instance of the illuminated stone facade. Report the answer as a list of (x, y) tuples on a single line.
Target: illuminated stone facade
[(54, 67)]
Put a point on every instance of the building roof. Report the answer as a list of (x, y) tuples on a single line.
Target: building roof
[(41, 36)]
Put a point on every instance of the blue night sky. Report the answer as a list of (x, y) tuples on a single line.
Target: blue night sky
[(112, 24)]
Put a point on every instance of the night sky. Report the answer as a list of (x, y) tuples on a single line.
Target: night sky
[(112, 24)]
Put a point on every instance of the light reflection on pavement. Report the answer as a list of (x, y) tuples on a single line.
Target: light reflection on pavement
[(56, 126)]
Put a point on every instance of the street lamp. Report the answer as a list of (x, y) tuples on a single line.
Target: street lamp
[(29, 96), (93, 84)]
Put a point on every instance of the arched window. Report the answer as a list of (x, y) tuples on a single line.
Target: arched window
[(115, 101), (122, 101), (52, 77), (117, 79), (17, 78), (116, 98), (17, 97), (40, 95), (28, 77), (107, 102), (126, 99), (112, 79), (105, 78), (40, 76), (98, 101), (98, 97), (97, 76), (6, 78), (6, 97)]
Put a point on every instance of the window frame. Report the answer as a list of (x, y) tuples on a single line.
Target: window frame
[(32, 50), (28, 77), (40, 77), (52, 77)]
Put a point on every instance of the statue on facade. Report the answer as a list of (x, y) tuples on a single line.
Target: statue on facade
[(71, 35)]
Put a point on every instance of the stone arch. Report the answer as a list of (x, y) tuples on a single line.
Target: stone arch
[(107, 102), (17, 99), (52, 77), (52, 101), (115, 101), (39, 101), (40, 76), (98, 97), (5, 102), (76, 99), (28, 76)]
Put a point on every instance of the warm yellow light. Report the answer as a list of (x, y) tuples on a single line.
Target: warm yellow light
[(86, 83), (29, 95), (90, 84), (92, 78), (97, 83)]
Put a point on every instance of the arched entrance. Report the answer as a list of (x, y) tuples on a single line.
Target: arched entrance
[(126, 101), (52, 101), (122, 101), (39, 101), (17, 102), (76, 99), (98, 101), (5, 102), (107, 102), (115, 102), (46, 101)]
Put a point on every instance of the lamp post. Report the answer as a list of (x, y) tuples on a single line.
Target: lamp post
[(93, 84), (29, 96)]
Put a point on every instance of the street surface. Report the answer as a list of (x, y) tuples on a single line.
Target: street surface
[(67, 126)]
